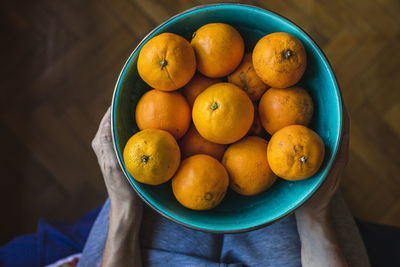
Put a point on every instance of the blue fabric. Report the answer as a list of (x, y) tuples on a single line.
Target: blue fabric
[(165, 243), (53, 241)]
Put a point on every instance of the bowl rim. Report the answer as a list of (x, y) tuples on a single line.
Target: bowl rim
[(242, 230)]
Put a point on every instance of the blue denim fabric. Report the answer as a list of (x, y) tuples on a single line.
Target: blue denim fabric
[(165, 243)]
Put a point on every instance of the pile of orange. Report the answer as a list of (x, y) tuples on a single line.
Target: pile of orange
[(216, 119)]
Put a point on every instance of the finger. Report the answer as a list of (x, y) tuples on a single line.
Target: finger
[(104, 122), (107, 116), (102, 142), (105, 141), (105, 128)]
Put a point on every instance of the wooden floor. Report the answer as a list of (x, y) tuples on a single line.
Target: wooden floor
[(60, 61)]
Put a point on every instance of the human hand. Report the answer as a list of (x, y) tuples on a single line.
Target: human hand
[(119, 190), (318, 205), (122, 246)]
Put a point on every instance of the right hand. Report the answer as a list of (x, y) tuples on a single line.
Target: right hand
[(318, 204), (119, 190)]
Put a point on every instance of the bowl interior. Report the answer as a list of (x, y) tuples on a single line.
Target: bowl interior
[(235, 213)]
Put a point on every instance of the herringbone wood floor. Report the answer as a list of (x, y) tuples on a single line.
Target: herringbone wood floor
[(60, 60)]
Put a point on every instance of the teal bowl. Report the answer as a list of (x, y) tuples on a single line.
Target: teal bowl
[(235, 213)]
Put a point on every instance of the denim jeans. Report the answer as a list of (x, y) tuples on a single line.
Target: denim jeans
[(165, 243)]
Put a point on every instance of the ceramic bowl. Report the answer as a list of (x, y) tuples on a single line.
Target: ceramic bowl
[(235, 213)]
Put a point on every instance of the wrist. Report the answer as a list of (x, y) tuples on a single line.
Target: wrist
[(312, 224), (122, 245), (124, 222), (320, 215), (319, 245), (125, 212)]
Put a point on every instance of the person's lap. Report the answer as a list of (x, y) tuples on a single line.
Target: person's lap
[(259, 247), (169, 244), (274, 245), (165, 243)]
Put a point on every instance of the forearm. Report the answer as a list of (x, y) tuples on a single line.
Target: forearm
[(122, 245), (319, 245)]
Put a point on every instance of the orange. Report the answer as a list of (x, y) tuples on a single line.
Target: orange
[(247, 166), (219, 49), (223, 113), (152, 156), (200, 182), (246, 78), (279, 59), (282, 107), (166, 62), (197, 84), (192, 143), (256, 128), (295, 152), (163, 110)]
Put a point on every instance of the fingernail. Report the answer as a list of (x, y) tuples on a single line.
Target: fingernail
[(107, 123)]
